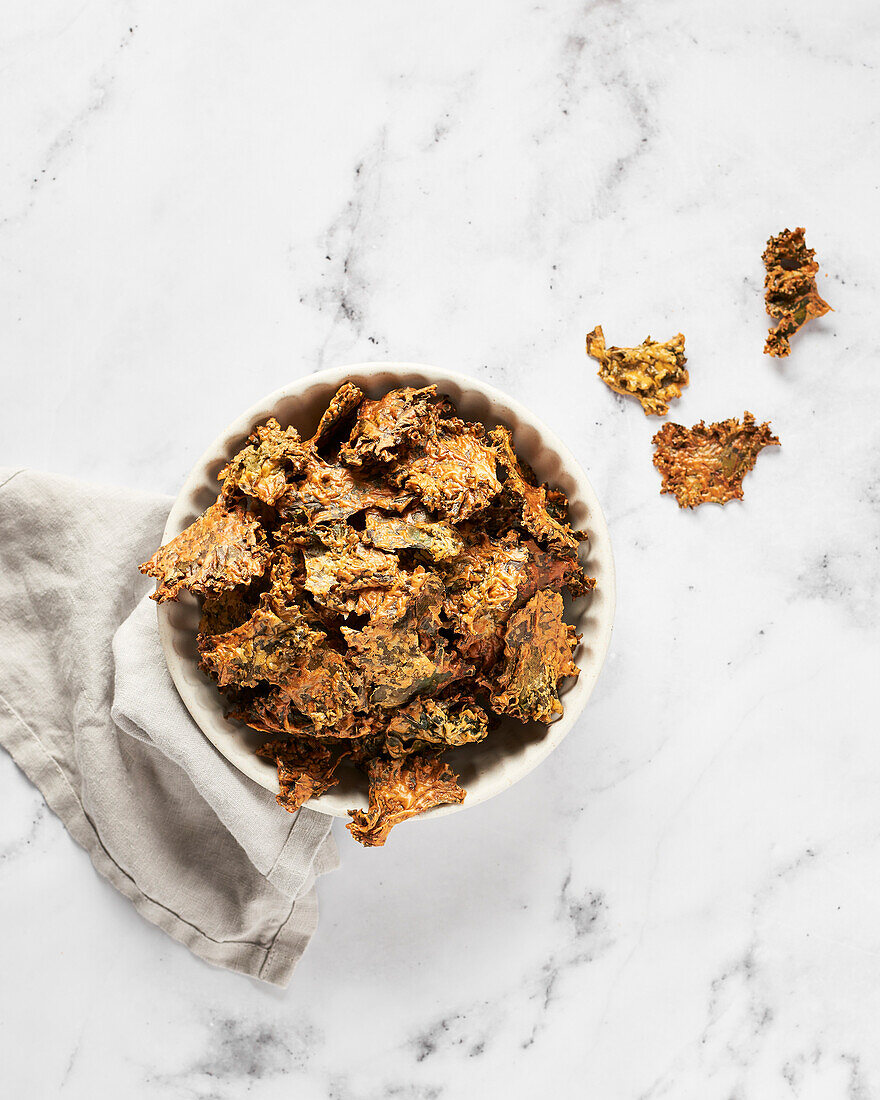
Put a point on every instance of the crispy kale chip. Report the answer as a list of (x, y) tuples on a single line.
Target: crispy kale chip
[(222, 611), (329, 492), (318, 694), (400, 651), (707, 464), (225, 546), (386, 427), (445, 462), (538, 645), (264, 648), (261, 468), (414, 531), (342, 406), (530, 500), (653, 373), (400, 789), (424, 724), (483, 585), (339, 565), (452, 470), (492, 578), (790, 288), (306, 769)]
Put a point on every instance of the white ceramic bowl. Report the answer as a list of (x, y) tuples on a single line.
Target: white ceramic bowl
[(510, 751)]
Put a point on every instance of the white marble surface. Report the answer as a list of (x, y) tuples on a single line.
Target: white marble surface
[(201, 201)]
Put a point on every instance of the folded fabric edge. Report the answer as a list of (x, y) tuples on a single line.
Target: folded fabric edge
[(311, 833), (273, 963), (7, 473)]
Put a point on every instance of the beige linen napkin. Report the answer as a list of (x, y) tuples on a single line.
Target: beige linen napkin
[(89, 712)]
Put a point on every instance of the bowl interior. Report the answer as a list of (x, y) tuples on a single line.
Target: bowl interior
[(513, 749)]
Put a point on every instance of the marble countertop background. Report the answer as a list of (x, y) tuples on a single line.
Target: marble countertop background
[(202, 201)]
